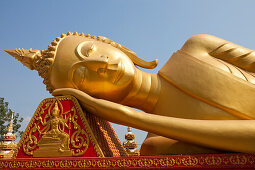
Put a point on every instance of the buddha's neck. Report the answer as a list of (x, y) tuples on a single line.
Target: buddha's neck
[(145, 91)]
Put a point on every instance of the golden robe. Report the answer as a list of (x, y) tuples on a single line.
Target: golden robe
[(211, 85)]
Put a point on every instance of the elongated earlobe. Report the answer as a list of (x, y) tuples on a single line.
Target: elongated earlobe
[(132, 55)]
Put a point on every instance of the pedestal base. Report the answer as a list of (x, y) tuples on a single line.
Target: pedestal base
[(55, 152), (203, 161)]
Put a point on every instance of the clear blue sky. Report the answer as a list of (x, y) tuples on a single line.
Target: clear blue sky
[(152, 29)]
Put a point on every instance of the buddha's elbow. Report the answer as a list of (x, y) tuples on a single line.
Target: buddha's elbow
[(197, 44)]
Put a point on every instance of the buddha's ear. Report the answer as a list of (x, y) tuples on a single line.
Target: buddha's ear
[(132, 55)]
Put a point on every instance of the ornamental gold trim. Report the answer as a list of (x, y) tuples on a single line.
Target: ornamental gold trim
[(235, 161)]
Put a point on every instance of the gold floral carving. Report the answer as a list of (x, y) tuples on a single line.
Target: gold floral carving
[(31, 141), (76, 137)]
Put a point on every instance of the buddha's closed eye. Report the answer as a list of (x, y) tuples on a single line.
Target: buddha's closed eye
[(85, 49)]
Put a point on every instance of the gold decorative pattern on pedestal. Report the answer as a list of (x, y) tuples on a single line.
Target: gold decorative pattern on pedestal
[(76, 137), (216, 161), (57, 133), (54, 140)]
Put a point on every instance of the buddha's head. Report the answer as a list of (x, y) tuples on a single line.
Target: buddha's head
[(95, 65)]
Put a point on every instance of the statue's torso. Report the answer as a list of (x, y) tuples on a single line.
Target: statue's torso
[(198, 88)]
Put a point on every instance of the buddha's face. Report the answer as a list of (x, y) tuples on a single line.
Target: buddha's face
[(55, 113), (96, 68)]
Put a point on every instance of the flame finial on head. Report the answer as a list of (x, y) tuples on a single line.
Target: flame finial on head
[(35, 60), (55, 109), (26, 57), (56, 106)]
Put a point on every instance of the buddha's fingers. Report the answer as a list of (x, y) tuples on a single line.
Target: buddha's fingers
[(86, 100), (108, 110)]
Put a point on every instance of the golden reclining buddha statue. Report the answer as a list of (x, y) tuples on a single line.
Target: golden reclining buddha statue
[(201, 101)]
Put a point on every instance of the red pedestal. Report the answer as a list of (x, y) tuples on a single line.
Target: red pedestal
[(87, 135)]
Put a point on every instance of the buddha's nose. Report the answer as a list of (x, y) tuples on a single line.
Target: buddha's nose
[(90, 63)]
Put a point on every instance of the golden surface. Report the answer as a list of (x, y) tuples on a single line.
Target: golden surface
[(201, 101)]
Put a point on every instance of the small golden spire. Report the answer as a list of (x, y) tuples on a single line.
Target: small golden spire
[(10, 129), (130, 144)]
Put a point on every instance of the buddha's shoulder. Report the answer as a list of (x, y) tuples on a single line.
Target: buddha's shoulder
[(183, 61)]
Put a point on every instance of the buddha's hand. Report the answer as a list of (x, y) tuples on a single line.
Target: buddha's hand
[(111, 111)]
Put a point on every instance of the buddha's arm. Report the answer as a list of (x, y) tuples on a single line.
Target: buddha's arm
[(233, 135), (203, 45), (41, 121)]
